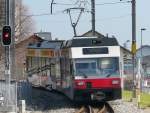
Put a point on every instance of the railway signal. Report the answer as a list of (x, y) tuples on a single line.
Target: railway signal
[(6, 35)]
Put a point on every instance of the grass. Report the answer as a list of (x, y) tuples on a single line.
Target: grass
[(127, 95), (145, 98)]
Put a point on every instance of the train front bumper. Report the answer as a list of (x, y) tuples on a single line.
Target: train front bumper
[(97, 94)]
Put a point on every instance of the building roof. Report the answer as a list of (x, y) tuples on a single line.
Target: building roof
[(125, 49), (44, 35), (90, 41), (39, 39), (144, 46), (53, 44), (89, 34), (145, 51)]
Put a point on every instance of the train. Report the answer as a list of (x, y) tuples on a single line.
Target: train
[(82, 68)]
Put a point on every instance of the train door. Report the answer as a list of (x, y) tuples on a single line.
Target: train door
[(66, 79)]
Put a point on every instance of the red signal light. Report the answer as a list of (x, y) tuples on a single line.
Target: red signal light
[(6, 35)]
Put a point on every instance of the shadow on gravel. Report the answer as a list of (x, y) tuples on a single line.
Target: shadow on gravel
[(43, 100)]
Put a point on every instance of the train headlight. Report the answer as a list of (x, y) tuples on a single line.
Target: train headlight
[(81, 83), (115, 82)]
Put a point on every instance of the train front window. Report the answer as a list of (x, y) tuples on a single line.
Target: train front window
[(85, 68), (99, 67)]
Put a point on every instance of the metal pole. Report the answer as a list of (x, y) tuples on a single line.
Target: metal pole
[(134, 44), (93, 16), (7, 12), (13, 39), (7, 58), (141, 43), (142, 67)]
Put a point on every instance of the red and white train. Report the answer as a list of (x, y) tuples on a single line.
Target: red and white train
[(83, 68)]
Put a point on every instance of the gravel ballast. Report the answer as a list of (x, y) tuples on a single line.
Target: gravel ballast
[(54, 102)]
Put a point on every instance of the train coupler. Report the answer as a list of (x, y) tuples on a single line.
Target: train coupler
[(98, 96)]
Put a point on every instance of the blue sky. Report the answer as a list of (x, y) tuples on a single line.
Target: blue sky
[(114, 19)]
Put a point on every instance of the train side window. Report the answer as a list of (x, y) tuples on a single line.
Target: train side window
[(30, 62), (52, 68), (71, 68), (38, 62), (34, 62), (27, 64), (43, 61)]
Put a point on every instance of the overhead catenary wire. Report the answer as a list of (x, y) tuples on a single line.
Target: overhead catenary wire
[(59, 12), (56, 3), (99, 19), (44, 14), (107, 3), (112, 3), (113, 18)]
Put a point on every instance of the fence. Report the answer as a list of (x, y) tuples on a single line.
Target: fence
[(25, 91), (8, 97)]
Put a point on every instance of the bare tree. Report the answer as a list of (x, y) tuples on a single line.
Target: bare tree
[(2, 13), (24, 23)]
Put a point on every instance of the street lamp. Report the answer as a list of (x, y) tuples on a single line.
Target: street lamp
[(142, 29), (142, 76)]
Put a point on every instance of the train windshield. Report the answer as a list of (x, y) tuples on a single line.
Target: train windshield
[(98, 67)]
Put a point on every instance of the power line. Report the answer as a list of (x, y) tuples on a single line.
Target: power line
[(55, 3), (107, 3), (111, 3), (113, 18), (85, 2), (43, 14), (58, 12), (102, 19)]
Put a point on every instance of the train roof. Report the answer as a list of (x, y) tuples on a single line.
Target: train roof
[(53, 44), (75, 42), (90, 41)]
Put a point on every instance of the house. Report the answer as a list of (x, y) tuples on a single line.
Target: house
[(20, 57), (145, 49), (20, 54), (127, 67), (143, 53)]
